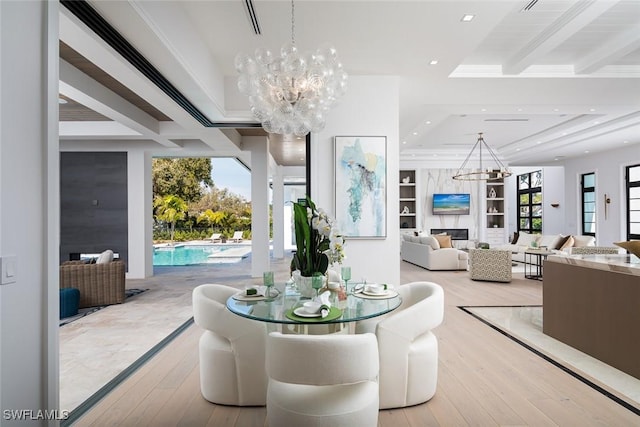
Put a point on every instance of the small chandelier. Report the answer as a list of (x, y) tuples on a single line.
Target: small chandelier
[(496, 169), (290, 93)]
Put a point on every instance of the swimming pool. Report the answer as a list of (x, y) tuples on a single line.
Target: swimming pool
[(183, 255)]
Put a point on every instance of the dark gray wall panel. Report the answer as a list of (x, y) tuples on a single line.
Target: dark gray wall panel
[(93, 198)]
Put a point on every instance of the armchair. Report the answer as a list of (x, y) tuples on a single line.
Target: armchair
[(99, 284)]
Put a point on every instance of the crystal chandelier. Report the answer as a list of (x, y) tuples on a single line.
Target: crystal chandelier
[(290, 93), (493, 170)]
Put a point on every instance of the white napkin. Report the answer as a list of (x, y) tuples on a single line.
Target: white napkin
[(325, 308)]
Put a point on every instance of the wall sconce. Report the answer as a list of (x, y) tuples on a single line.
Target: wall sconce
[(555, 204), (607, 201)]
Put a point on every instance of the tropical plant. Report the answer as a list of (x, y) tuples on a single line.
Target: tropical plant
[(170, 209), (318, 243), (212, 218)]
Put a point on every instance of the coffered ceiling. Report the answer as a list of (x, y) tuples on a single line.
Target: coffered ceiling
[(543, 79)]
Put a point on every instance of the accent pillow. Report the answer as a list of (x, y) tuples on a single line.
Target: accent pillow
[(431, 241), (549, 240), (444, 241), (568, 243), (581, 241), (105, 257), (514, 239), (525, 239), (561, 242), (632, 246)]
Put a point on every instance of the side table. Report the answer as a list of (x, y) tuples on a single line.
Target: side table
[(534, 259)]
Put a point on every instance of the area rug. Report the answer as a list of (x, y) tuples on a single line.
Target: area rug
[(128, 293), (523, 324)]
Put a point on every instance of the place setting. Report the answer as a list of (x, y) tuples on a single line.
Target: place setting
[(316, 310), (374, 291), (259, 293)]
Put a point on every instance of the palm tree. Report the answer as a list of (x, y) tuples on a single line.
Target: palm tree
[(212, 218), (170, 209)]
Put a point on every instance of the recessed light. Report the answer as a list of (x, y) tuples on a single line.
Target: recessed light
[(556, 109), (483, 109), (564, 134), (538, 142), (625, 142), (413, 155), (592, 109), (404, 142), (428, 122), (519, 109), (62, 101), (596, 122), (467, 17), (517, 149), (433, 62), (586, 151), (415, 133)]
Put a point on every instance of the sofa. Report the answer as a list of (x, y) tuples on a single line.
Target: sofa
[(558, 243), (433, 252), (100, 283)]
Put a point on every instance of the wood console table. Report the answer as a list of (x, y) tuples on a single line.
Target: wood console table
[(592, 303)]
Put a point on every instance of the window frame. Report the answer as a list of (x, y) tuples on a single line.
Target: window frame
[(530, 192), (585, 190), (628, 185)]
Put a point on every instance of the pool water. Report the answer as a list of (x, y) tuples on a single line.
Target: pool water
[(189, 255)]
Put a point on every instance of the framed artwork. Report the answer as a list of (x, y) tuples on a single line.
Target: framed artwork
[(361, 186)]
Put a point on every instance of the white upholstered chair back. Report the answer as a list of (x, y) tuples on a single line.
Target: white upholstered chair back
[(232, 350), (328, 380), (408, 348)]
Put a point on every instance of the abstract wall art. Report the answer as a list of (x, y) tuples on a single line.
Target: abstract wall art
[(361, 186)]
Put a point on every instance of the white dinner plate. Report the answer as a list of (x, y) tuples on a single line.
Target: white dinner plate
[(300, 311), (377, 294)]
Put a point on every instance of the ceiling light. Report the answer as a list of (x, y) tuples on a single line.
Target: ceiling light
[(467, 17), (493, 170), (428, 122), (596, 122), (404, 142), (290, 93), (519, 109), (625, 142), (433, 62), (483, 109), (586, 151), (538, 142), (556, 109), (62, 101), (415, 133), (592, 109)]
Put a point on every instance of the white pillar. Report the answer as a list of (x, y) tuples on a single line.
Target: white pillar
[(278, 213), (139, 202), (259, 148)]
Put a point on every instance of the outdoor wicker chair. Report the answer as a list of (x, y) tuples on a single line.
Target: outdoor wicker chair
[(99, 284)]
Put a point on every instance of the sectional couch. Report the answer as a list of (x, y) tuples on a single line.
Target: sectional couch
[(557, 243), (427, 252)]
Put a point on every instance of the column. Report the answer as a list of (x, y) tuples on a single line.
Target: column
[(278, 213), (140, 213), (259, 149)]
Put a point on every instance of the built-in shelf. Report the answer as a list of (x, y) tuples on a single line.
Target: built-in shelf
[(407, 198), (494, 215)]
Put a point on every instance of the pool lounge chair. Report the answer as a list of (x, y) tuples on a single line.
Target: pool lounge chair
[(215, 238), (237, 237)]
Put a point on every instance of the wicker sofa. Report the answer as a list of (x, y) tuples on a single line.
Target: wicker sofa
[(99, 284)]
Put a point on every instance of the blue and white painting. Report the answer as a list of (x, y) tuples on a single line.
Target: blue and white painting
[(361, 187)]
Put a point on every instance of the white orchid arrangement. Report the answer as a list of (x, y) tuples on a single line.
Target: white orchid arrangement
[(318, 241)]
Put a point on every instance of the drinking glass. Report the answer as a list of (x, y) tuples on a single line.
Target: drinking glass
[(267, 280), (316, 283), (345, 272)]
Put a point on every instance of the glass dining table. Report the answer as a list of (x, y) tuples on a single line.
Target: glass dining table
[(286, 308)]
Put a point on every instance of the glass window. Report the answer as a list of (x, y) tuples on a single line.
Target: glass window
[(588, 191), (633, 202), (530, 202)]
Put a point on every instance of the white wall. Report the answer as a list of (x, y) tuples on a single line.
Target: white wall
[(369, 108), (29, 205), (609, 168)]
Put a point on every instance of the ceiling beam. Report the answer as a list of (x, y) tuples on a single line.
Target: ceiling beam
[(569, 23), (611, 51)]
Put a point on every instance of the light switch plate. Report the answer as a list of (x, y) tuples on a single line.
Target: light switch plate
[(9, 274)]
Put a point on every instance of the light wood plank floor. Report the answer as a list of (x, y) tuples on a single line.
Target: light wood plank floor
[(485, 379)]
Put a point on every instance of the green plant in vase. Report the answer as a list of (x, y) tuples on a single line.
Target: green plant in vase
[(318, 243)]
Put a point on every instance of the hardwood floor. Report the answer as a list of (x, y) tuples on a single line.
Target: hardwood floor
[(485, 379)]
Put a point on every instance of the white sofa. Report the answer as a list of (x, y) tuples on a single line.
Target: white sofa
[(557, 243), (426, 252)]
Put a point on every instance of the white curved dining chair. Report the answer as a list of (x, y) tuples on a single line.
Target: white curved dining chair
[(232, 350), (322, 380), (407, 346)]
